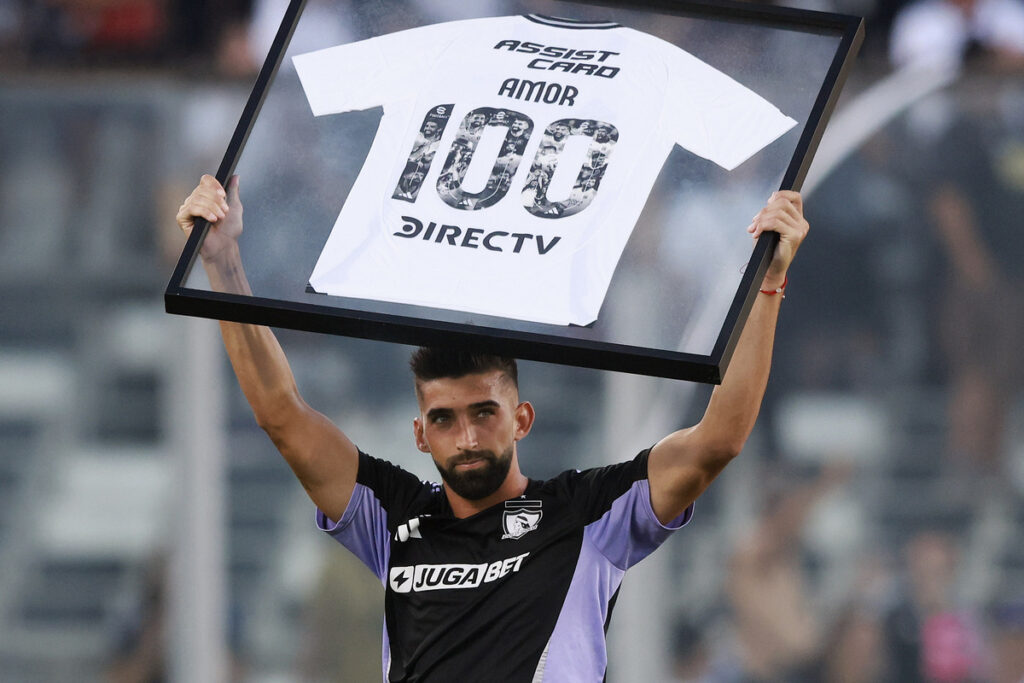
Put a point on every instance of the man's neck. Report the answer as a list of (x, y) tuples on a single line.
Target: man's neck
[(513, 487)]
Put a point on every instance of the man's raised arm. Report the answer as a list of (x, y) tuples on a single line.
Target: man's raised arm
[(319, 453), (683, 463)]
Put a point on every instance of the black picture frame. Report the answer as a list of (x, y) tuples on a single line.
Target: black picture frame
[(407, 329)]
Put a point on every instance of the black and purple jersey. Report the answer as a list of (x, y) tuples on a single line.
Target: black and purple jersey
[(521, 591)]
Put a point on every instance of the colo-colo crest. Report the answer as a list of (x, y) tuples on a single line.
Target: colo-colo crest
[(520, 518)]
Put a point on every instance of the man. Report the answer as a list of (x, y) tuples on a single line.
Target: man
[(519, 136), (491, 575), (420, 158), (470, 131), (551, 143)]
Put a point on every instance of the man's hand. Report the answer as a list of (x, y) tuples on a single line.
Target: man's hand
[(784, 214), (222, 208)]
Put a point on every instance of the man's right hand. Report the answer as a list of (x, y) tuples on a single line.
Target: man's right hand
[(221, 208)]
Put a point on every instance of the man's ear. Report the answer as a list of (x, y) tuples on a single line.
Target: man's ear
[(524, 419), (417, 432)]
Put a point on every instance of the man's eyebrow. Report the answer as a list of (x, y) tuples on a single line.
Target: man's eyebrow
[(490, 403)]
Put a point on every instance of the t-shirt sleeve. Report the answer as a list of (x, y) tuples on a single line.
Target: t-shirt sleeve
[(615, 503), (372, 72), (714, 116), (381, 490)]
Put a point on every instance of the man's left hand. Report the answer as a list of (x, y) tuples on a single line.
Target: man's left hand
[(784, 214)]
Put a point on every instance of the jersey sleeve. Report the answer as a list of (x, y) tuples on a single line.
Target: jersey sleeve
[(615, 504), (714, 116), (382, 490), (372, 72)]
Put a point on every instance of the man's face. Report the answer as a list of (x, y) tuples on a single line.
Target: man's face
[(518, 126), (602, 134), (477, 120), (560, 131), (470, 425), (429, 128)]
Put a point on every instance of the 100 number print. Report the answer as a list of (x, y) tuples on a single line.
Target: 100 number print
[(519, 128)]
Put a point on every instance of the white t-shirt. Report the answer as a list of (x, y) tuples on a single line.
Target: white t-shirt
[(514, 157)]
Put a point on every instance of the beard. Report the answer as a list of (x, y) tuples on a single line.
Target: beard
[(480, 482)]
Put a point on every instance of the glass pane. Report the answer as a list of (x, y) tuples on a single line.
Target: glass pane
[(659, 246)]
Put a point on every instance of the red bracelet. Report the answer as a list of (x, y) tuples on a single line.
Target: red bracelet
[(780, 290)]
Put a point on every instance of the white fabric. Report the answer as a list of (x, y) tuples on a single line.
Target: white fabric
[(503, 259)]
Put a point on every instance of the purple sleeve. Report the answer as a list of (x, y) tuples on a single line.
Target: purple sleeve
[(380, 488), (630, 531), (363, 529)]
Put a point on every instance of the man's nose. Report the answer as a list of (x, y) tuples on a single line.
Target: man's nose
[(466, 439)]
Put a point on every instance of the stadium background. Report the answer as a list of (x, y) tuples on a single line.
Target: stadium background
[(872, 530)]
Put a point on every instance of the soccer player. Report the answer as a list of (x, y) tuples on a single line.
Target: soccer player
[(552, 142), (470, 131), (420, 158), (491, 575), (560, 131), (518, 137), (425, 145)]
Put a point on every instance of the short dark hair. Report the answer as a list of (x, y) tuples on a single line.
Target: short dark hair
[(435, 362)]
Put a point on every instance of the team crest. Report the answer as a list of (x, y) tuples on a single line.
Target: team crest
[(520, 518)]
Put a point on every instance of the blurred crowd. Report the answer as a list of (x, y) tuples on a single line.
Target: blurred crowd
[(908, 297), (186, 34), (903, 617), (233, 35)]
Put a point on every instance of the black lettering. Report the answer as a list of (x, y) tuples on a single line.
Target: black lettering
[(471, 236), (587, 69), (608, 71), (583, 55), (411, 228), (538, 64), (520, 238), (541, 248), (527, 88), (510, 45), (430, 230), (452, 576), (537, 91), (471, 577), (530, 48), (449, 232), (605, 54), (491, 236), (553, 52), (562, 66), (551, 93)]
